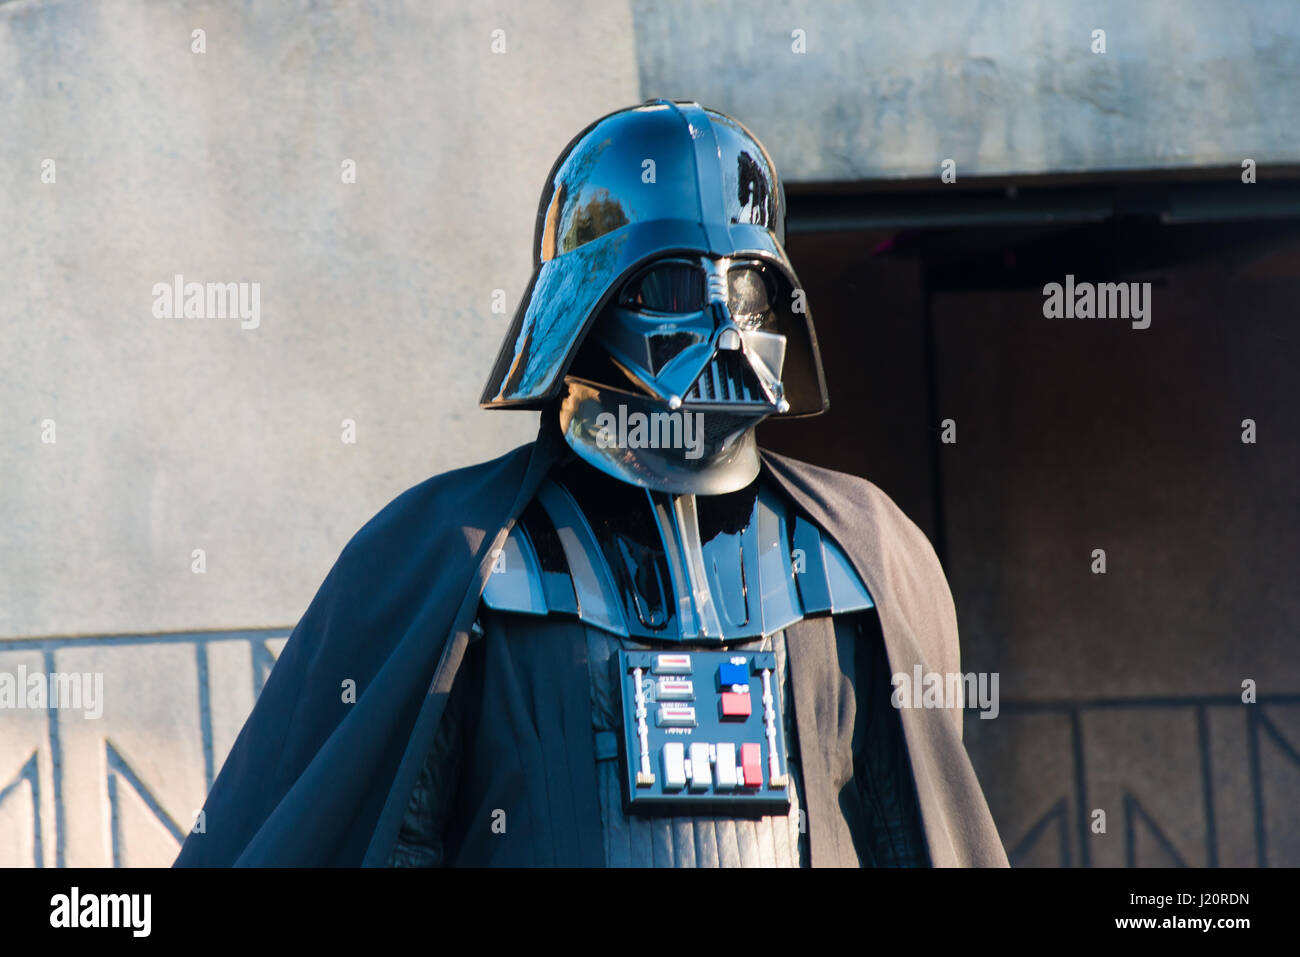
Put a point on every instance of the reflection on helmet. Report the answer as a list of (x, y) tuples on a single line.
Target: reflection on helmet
[(661, 283)]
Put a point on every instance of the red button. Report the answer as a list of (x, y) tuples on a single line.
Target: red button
[(735, 704), (751, 765)]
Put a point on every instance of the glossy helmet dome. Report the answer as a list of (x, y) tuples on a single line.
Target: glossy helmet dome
[(604, 212), (663, 183)]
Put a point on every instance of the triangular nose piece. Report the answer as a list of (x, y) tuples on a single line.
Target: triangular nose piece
[(729, 340)]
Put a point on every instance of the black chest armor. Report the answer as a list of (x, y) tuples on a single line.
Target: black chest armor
[(657, 567)]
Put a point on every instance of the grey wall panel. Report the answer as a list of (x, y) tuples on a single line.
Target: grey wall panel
[(890, 90), (376, 297)]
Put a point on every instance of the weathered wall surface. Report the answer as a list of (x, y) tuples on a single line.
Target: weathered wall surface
[(892, 89), (173, 435), (375, 297)]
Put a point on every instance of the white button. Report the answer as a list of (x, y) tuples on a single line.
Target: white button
[(674, 761), (672, 665), (701, 771), (676, 716), (726, 767), (675, 689)]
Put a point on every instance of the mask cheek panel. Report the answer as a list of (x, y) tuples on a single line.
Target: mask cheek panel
[(801, 368), (767, 348), (646, 343), (623, 335), (667, 346)]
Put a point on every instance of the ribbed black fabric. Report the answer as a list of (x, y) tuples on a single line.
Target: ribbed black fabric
[(526, 793), (535, 696)]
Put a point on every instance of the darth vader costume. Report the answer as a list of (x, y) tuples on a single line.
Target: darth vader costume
[(639, 640)]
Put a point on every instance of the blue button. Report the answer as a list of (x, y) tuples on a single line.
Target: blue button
[(732, 674)]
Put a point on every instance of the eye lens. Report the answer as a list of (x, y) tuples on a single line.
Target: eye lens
[(669, 287), (749, 299)]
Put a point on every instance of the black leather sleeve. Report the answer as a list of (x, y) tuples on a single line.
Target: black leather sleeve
[(893, 834)]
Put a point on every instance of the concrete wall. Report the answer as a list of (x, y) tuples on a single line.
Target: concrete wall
[(174, 435), (889, 89), (128, 442)]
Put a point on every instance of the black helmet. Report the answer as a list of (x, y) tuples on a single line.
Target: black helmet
[(664, 220)]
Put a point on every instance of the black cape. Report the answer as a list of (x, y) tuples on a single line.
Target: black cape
[(313, 780)]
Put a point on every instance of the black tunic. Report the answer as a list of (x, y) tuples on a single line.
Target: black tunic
[(532, 731)]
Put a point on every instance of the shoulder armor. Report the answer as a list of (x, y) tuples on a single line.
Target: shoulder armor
[(637, 567)]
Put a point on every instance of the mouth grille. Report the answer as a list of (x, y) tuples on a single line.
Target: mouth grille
[(727, 378)]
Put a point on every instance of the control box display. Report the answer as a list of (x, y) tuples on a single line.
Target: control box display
[(702, 730)]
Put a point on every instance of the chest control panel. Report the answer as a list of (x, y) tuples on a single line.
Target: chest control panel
[(702, 730)]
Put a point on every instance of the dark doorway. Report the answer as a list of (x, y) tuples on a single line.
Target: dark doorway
[(1121, 690)]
